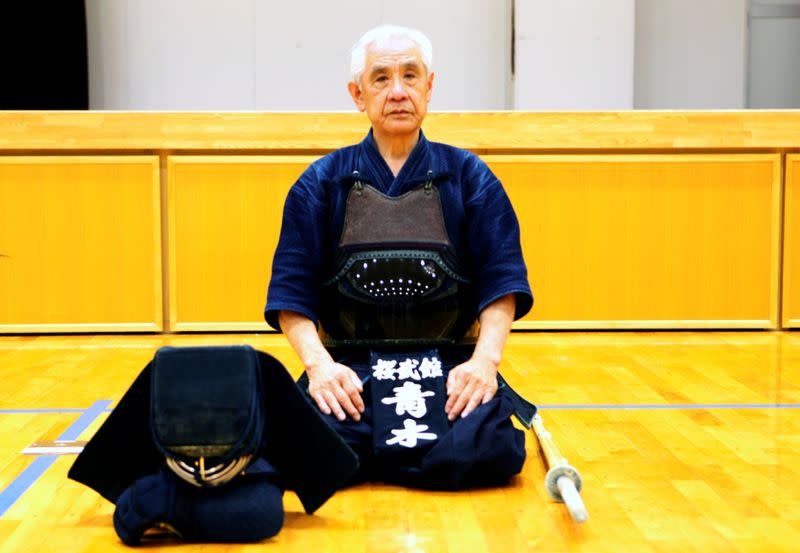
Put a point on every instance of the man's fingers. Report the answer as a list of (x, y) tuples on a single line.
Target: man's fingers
[(357, 382), (346, 403), (457, 407), (331, 401), (452, 397), (473, 402), (454, 383), (353, 392), (358, 402), (323, 406), (460, 402), (455, 387)]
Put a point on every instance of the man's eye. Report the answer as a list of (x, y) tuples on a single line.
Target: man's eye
[(381, 78), (411, 75)]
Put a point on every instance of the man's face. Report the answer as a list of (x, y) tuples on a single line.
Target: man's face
[(395, 89)]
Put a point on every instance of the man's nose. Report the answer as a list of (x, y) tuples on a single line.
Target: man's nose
[(398, 91)]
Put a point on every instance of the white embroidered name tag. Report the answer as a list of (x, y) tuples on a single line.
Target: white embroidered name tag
[(408, 396)]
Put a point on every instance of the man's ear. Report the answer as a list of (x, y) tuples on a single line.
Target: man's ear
[(430, 84), (355, 92)]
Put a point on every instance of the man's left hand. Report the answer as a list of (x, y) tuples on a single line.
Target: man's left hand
[(470, 384)]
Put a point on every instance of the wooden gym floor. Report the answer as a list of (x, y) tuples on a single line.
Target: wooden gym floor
[(685, 441)]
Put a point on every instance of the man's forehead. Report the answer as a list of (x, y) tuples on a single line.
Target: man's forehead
[(383, 56)]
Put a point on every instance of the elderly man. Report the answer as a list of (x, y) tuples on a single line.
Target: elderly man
[(395, 246)]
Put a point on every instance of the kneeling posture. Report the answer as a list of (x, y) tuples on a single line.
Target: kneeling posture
[(391, 247)]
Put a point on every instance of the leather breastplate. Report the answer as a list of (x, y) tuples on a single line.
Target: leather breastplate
[(397, 278)]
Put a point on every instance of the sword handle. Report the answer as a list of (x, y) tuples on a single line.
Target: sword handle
[(572, 499), (563, 481)]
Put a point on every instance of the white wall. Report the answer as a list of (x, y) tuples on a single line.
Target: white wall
[(293, 55), (773, 76), (574, 54), (170, 55), (690, 54), (279, 55)]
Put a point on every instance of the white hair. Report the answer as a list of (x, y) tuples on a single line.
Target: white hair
[(385, 36)]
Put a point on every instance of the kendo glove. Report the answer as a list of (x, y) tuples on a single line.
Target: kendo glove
[(142, 505)]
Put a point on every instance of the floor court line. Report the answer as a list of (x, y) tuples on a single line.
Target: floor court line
[(25, 480), (39, 466), (656, 406)]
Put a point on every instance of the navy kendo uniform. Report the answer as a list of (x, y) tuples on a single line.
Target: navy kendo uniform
[(395, 271)]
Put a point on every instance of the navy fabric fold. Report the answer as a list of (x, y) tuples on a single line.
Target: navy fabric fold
[(249, 508), (482, 449)]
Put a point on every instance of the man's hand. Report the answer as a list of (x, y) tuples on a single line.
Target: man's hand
[(475, 382), (470, 384), (336, 389)]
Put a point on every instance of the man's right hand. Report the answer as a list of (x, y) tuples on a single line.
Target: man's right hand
[(337, 389)]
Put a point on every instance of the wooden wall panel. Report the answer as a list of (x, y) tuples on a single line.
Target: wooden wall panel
[(224, 220), (80, 240), (486, 132), (791, 244), (630, 219), (648, 241)]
